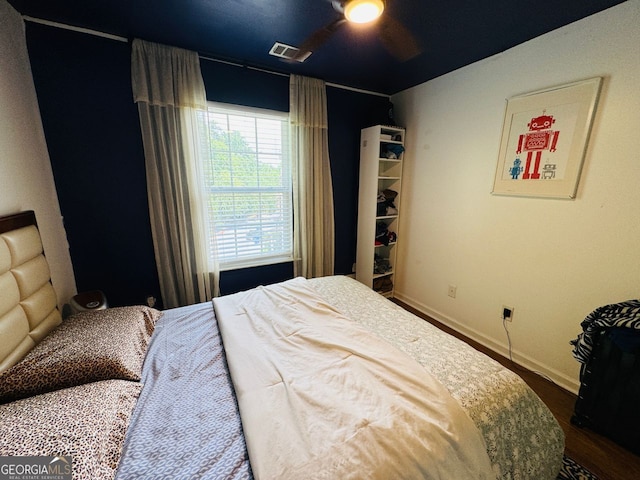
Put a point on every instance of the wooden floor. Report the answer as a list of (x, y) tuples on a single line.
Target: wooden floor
[(600, 455)]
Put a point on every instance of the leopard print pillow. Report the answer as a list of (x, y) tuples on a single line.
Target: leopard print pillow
[(88, 423), (87, 347)]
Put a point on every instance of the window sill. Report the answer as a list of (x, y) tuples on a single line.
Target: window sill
[(257, 262)]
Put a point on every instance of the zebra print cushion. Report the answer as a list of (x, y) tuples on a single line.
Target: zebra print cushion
[(623, 314), (574, 471)]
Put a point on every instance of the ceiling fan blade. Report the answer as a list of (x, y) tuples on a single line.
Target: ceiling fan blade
[(397, 39), (319, 37)]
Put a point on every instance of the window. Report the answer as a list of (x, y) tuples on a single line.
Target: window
[(247, 179)]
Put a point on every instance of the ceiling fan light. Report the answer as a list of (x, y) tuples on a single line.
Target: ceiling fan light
[(363, 11)]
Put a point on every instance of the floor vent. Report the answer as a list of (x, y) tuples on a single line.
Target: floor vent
[(288, 52)]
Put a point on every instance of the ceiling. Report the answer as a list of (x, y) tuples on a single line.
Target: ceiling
[(450, 33)]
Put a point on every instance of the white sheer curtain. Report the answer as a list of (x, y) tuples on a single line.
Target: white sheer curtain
[(169, 91), (313, 191)]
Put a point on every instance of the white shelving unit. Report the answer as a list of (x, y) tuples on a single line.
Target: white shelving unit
[(378, 173)]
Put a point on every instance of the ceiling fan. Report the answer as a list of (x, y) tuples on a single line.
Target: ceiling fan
[(396, 38)]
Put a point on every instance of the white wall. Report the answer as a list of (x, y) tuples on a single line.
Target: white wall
[(553, 260), (26, 179)]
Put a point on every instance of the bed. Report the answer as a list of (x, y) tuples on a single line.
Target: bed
[(319, 378)]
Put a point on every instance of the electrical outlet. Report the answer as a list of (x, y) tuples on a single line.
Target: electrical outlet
[(452, 291), (507, 313)]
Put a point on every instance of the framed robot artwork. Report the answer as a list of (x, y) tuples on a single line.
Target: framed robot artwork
[(544, 140)]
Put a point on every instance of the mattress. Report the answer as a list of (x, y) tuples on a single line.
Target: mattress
[(187, 424), (523, 438)]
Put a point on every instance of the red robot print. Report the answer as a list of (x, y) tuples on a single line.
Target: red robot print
[(539, 137)]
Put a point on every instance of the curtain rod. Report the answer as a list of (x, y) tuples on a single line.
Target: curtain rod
[(118, 38), (75, 29)]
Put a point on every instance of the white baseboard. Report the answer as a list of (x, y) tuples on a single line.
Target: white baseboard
[(523, 360)]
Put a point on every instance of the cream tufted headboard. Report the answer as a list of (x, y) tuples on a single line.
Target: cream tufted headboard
[(28, 302)]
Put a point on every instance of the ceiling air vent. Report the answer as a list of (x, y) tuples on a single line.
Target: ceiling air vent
[(288, 52)]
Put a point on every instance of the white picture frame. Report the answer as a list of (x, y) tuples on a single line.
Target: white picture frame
[(544, 140)]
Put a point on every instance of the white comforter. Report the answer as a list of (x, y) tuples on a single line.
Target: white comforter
[(322, 397)]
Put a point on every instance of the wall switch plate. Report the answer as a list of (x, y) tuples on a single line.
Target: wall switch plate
[(452, 291)]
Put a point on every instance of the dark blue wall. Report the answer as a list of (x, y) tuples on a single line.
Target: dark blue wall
[(93, 136), (91, 125)]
